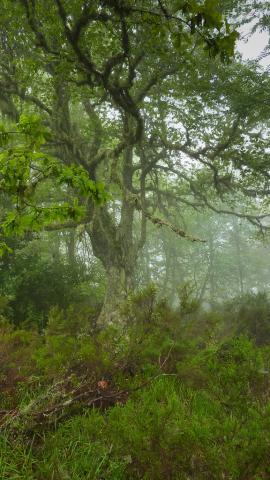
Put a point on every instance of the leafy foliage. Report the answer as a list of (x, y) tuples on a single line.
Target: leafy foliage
[(23, 167)]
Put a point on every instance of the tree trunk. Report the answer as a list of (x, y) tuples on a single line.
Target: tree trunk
[(119, 284), (212, 285), (71, 247), (239, 263), (114, 246), (113, 240)]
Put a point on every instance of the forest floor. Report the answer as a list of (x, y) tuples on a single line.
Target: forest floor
[(167, 397)]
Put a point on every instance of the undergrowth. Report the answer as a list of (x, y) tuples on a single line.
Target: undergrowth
[(169, 396)]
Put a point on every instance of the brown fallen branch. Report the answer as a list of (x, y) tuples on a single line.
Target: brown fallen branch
[(102, 400), (30, 420), (6, 415), (71, 403)]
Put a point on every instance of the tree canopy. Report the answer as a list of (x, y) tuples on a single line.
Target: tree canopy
[(127, 123)]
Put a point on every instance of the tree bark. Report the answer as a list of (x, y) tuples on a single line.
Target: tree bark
[(119, 284), (114, 245), (212, 286), (239, 263)]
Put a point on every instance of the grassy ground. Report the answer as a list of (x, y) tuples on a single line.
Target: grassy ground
[(165, 399)]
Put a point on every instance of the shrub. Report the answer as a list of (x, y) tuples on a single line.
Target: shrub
[(250, 315)]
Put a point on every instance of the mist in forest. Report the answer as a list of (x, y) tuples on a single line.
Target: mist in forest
[(134, 240), (229, 259)]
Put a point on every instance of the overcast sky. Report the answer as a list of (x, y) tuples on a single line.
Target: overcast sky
[(255, 45)]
